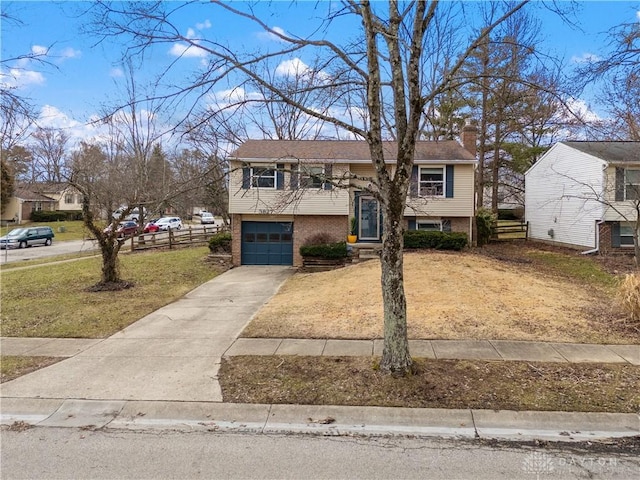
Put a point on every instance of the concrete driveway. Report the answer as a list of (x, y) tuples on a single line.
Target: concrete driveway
[(172, 354)]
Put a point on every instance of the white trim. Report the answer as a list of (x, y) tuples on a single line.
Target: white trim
[(252, 176)]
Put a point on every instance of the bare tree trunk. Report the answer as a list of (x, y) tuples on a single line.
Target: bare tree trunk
[(495, 170), (110, 271), (395, 355)]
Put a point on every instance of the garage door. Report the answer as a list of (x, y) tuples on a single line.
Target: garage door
[(267, 243)]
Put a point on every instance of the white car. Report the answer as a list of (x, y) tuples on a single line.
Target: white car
[(166, 223), (206, 217)]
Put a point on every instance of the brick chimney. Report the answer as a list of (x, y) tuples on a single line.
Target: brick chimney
[(469, 136)]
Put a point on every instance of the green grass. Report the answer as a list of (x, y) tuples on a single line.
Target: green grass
[(72, 230), (53, 301), (13, 367), (581, 268)]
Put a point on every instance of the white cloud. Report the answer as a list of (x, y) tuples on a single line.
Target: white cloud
[(191, 33), (585, 58), (19, 78), (234, 95), (70, 52), (116, 72), (581, 109), (638, 15), (270, 36), (292, 68), (39, 50), (203, 25), (186, 50)]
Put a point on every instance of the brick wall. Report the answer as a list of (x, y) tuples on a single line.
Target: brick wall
[(605, 238), (461, 224), (305, 226), (236, 239)]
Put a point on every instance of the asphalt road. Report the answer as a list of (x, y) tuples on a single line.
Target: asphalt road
[(56, 248), (60, 453)]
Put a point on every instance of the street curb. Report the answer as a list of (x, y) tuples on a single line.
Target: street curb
[(318, 419)]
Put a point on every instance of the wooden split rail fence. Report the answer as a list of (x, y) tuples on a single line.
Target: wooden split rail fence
[(188, 235), (510, 230)]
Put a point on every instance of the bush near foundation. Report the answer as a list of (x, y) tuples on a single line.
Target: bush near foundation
[(435, 240), (220, 243)]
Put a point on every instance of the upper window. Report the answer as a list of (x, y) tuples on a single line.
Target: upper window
[(631, 184), (431, 182), (68, 198), (311, 177), (263, 177)]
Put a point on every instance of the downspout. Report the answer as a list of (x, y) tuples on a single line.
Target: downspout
[(594, 250)]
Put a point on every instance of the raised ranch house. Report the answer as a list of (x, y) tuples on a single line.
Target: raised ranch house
[(283, 192), (583, 194)]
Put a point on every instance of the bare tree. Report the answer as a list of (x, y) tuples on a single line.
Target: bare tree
[(384, 66), (49, 149), (96, 172)]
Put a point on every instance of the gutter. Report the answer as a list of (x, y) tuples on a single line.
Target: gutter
[(595, 250)]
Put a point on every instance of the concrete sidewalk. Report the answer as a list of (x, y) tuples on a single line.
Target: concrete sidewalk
[(161, 373), (435, 349)]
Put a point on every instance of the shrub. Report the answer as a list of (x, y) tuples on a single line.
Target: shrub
[(629, 297), (220, 243), (321, 238), (453, 241), (48, 216), (485, 219), (325, 250), (436, 240)]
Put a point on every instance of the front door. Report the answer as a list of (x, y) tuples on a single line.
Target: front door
[(369, 219)]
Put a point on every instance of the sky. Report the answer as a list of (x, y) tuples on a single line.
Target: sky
[(83, 74)]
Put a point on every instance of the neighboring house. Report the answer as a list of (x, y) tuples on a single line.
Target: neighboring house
[(67, 198), (278, 198), (23, 202), (582, 194)]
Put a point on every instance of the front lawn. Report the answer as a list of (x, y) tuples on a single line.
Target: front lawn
[(53, 301), (494, 294)]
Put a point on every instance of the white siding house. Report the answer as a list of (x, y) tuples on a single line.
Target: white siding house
[(570, 192)]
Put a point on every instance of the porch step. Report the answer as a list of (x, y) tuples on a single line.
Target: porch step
[(363, 253)]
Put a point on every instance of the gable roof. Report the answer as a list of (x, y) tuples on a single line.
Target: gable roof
[(611, 152), (346, 151), (30, 196)]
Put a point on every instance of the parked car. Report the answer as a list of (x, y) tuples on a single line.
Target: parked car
[(151, 226), (134, 214), (125, 229), (206, 218), (166, 223), (27, 237)]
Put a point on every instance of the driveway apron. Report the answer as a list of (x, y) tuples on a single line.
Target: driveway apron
[(171, 354)]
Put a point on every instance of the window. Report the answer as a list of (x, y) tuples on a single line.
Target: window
[(631, 184), (429, 225), (68, 198), (431, 182), (626, 234), (263, 177), (311, 177)]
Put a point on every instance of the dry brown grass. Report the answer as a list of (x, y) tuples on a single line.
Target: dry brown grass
[(629, 297), (450, 296)]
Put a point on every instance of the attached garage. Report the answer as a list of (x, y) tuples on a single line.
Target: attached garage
[(267, 243)]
